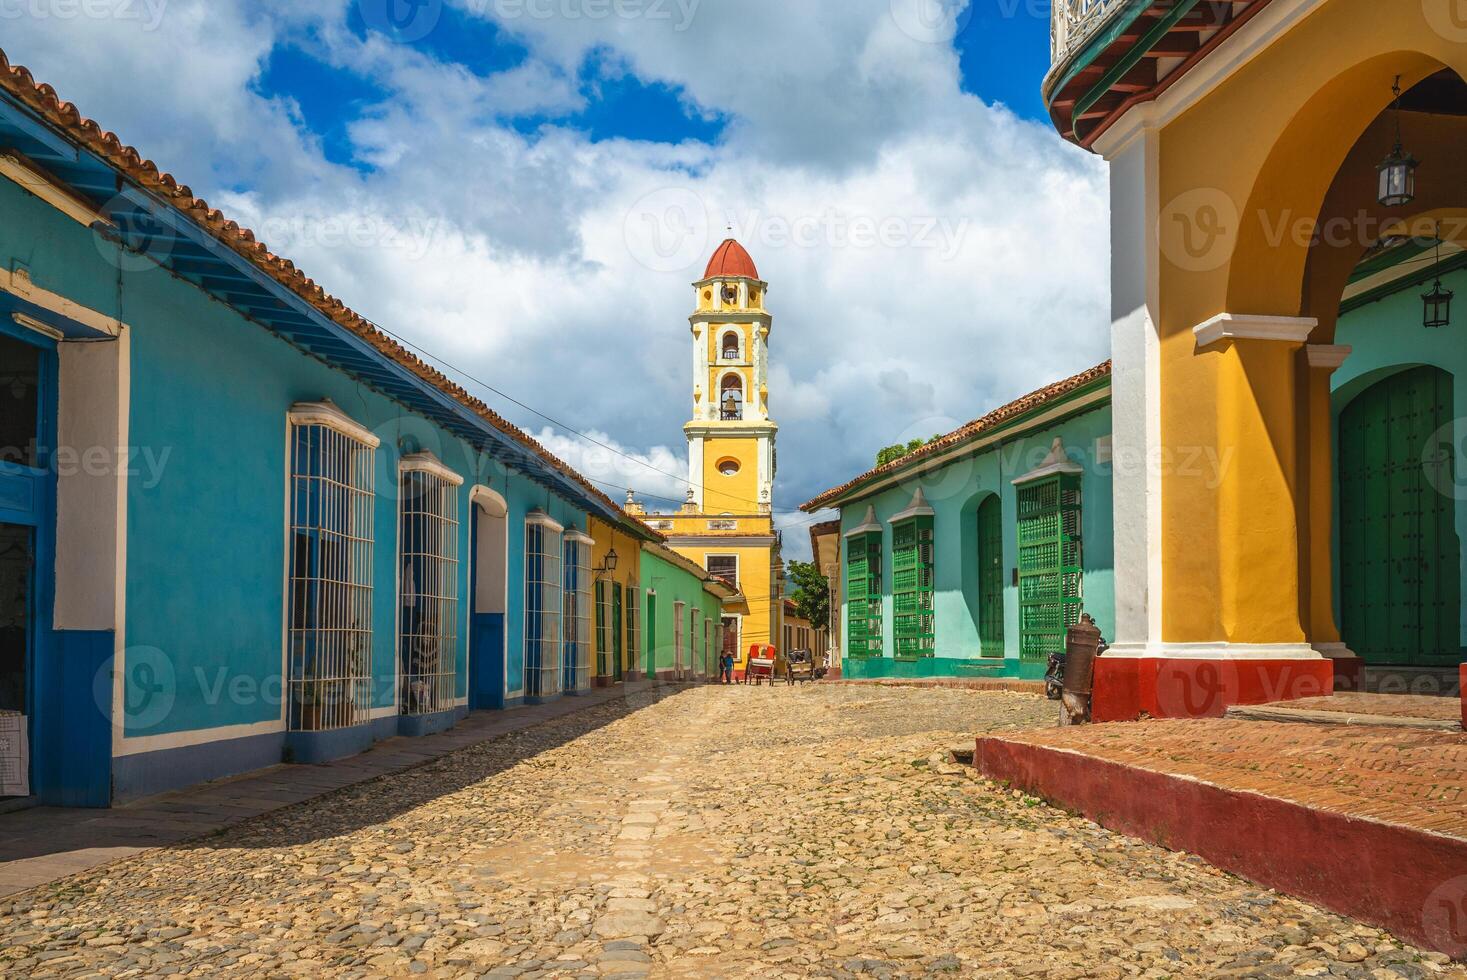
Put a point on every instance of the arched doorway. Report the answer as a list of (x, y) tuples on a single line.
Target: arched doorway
[(490, 572), (990, 577), (1400, 555)]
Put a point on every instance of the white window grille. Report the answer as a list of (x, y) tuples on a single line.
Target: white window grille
[(634, 626), (543, 605), (677, 639), (707, 647), (576, 666), (427, 585), (329, 622), (603, 628), (695, 655)]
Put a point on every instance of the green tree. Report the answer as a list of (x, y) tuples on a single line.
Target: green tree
[(891, 453), (811, 593)]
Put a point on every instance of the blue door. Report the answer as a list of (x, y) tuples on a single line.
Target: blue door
[(29, 673), (486, 632)]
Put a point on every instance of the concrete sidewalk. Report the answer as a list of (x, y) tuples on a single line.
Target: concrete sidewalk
[(44, 844)]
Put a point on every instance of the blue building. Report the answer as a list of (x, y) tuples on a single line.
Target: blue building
[(239, 524)]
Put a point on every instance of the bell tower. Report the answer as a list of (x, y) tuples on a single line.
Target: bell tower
[(731, 437)]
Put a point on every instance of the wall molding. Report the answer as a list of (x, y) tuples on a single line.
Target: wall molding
[(1243, 326)]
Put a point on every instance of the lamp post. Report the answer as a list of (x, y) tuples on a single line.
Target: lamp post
[(1398, 171), (1437, 304)]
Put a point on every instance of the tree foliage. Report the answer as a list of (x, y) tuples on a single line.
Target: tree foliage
[(811, 593), (896, 452)]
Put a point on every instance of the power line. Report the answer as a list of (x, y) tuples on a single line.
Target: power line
[(557, 423)]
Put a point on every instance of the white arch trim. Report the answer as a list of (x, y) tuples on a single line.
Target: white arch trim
[(489, 501), (326, 413), (426, 462)]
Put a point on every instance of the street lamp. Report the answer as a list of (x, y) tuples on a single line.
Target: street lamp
[(1437, 303), (1398, 171), (608, 564)]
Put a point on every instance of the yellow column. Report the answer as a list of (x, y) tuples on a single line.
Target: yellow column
[(1318, 364), (1236, 580)]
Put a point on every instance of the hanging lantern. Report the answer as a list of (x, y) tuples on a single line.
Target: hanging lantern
[(1398, 171), (1437, 310)]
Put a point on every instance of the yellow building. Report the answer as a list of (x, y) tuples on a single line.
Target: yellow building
[(1263, 165), (726, 524)]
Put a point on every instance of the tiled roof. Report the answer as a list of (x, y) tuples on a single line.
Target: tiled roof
[(65, 117), (999, 416), (731, 259)]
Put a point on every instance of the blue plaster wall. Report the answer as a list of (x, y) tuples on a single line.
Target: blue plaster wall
[(206, 538), (955, 493), (1387, 337)]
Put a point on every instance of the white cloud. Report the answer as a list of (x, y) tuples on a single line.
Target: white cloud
[(930, 256)]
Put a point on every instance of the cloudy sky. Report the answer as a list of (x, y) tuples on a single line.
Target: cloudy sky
[(526, 189)]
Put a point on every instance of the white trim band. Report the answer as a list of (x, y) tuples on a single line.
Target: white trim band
[(426, 462), (577, 536), (326, 412), (489, 501), (1234, 326), (544, 520), (1216, 651)]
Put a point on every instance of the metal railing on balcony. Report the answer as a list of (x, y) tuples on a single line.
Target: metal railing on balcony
[(1073, 22)]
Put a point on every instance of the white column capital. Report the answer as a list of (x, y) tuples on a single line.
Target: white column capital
[(1243, 326), (1327, 356)]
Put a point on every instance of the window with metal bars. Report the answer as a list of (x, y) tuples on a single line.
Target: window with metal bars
[(913, 618), (603, 628), (634, 626), (576, 673), (677, 638), (1051, 564), (427, 586), (543, 606), (329, 623), (863, 602)]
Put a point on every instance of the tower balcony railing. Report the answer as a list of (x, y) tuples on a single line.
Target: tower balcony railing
[(1073, 22)]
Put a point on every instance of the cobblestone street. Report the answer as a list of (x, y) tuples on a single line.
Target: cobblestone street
[(740, 832)]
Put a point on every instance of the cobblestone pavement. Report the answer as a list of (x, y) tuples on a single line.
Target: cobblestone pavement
[(738, 832)]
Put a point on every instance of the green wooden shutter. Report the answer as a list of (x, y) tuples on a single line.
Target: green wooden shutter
[(1050, 564), (911, 588), (863, 576), (990, 577)]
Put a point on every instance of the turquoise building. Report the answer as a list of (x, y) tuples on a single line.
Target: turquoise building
[(240, 524), (968, 557)]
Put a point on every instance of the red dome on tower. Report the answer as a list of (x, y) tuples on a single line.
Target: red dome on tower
[(731, 260)]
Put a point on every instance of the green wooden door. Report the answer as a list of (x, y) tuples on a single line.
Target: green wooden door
[(1400, 557), (990, 577), (651, 628)]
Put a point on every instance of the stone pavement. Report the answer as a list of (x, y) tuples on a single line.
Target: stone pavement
[(1411, 710), (45, 843), (719, 832)]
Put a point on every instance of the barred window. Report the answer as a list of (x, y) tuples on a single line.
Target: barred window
[(576, 672), (603, 628), (677, 638), (543, 605), (725, 567), (634, 626), (329, 622), (427, 585)]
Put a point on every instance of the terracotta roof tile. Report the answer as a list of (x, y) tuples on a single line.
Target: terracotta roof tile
[(42, 98), (995, 418)]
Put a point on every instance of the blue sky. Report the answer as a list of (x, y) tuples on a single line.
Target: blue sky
[(528, 192)]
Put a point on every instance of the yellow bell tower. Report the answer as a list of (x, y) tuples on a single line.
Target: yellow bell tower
[(726, 524), (731, 454)]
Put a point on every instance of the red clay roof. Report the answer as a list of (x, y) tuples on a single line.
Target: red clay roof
[(64, 116), (995, 418), (731, 259)]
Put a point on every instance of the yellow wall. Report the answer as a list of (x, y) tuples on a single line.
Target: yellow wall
[(629, 574), (756, 567), (737, 494), (1262, 150)]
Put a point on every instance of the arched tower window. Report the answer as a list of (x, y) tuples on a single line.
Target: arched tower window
[(730, 348), (731, 398)]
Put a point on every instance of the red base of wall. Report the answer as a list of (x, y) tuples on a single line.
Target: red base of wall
[(1349, 674), (1402, 879), (1126, 688), (1462, 689)]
